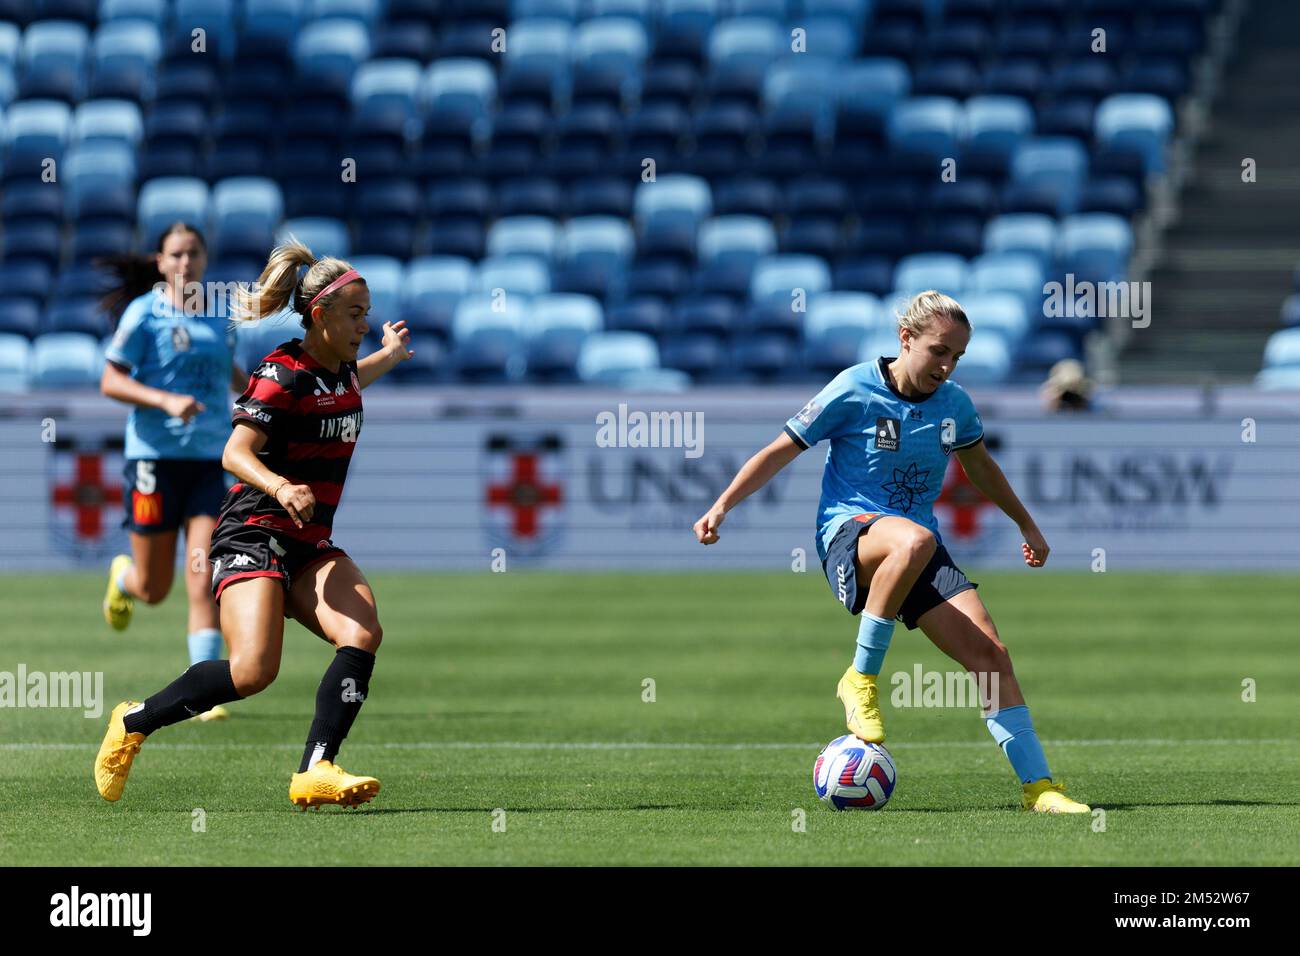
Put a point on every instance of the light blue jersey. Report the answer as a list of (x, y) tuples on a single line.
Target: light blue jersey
[(888, 455), (189, 354)]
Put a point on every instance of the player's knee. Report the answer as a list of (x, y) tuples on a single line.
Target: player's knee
[(152, 589), (992, 658), (252, 677), (365, 636), (918, 546)]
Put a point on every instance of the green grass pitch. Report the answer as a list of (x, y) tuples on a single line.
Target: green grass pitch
[(524, 692)]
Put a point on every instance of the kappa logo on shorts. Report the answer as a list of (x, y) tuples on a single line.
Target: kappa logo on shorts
[(241, 561), (887, 430)]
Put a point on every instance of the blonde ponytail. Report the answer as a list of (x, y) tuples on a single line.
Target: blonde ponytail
[(278, 285)]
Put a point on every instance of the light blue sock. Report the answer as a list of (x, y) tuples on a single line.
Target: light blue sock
[(1014, 731), (874, 635), (121, 580), (205, 645)]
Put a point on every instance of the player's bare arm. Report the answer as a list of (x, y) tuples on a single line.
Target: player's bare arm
[(384, 359), (240, 459), (118, 384), (985, 474), (753, 475)]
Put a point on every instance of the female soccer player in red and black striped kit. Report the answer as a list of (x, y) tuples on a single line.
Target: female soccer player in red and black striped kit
[(294, 430)]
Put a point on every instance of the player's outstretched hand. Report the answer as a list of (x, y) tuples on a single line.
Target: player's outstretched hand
[(396, 335), (297, 500), (1035, 547), (183, 407), (706, 529)]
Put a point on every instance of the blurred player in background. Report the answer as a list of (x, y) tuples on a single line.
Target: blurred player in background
[(295, 428), (172, 359), (892, 424)]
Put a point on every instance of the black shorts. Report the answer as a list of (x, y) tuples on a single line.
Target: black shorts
[(242, 551), (939, 581), (164, 492)]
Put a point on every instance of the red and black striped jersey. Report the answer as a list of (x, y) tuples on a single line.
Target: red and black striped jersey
[(312, 418)]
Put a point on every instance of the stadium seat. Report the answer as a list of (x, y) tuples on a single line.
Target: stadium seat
[(321, 234), (31, 240), (683, 29), (488, 336), (383, 275), (608, 57), (925, 130), (15, 359), (593, 255), (606, 357), (537, 61), (647, 316), (154, 11), (52, 61), (1290, 316), (798, 115), (729, 247), (1094, 247), (739, 52), (1047, 175), (941, 271), (99, 179), (1041, 350), (987, 361), (327, 52), (1000, 313), (1018, 273), (835, 328), (365, 12), (107, 120), (269, 27), (254, 340), (385, 100), (19, 316), (524, 276), (1030, 233), (995, 126), (1135, 123), (432, 287), (215, 17), (1282, 349), (778, 285), (34, 131), (246, 211), (124, 56), (557, 325), (77, 316), (65, 360)]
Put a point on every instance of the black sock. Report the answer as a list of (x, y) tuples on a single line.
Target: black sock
[(199, 689), (342, 691)]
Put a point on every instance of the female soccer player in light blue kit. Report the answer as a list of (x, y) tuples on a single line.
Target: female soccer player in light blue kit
[(892, 424), (174, 363)]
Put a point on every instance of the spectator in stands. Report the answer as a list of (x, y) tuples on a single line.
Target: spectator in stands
[(1068, 388)]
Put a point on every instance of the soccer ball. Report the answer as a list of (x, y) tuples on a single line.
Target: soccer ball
[(851, 774)]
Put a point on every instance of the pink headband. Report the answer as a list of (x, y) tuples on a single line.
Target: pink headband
[(341, 280)]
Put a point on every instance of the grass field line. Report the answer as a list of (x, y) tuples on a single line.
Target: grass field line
[(663, 745)]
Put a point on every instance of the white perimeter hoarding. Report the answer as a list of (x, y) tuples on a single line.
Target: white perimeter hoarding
[(442, 481)]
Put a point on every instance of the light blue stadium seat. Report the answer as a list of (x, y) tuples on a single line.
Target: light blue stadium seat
[(1138, 123), (245, 213), (675, 191), (539, 54), (1281, 377), (799, 93), (385, 95), (880, 343), (646, 380), (942, 271), (323, 235), (94, 121), (776, 277), (124, 56), (10, 44), (1282, 349), (641, 11), (525, 276), (15, 362), (431, 289), (1000, 313), (550, 9), (987, 362), (927, 128), (607, 357), (52, 60), (476, 313), (593, 254), (331, 49), (995, 126), (366, 12), (871, 87), (99, 180), (844, 310), (729, 247), (152, 10), (167, 199), (829, 37), (1016, 272), (459, 86), (535, 236), (489, 343), (563, 310), (1094, 246), (608, 56), (1030, 233), (745, 43), (62, 360), (1054, 165), (34, 130)]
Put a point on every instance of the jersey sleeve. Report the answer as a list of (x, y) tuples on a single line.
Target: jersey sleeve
[(835, 410), (130, 343), (268, 400), (969, 427)]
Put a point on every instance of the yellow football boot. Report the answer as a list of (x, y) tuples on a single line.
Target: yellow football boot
[(116, 753), (327, 783), (118, 605), (216, 713), (861, 705), (1043, 796)]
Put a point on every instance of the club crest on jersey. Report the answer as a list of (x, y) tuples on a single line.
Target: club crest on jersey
[(947, 435), (323, 393), (356, 386), (180, 338), (808, 413), (887, 430)]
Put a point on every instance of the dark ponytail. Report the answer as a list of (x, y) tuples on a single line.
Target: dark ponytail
[(134, 275)]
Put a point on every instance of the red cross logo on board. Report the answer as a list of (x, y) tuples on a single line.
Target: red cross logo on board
[(88, 494), (963, 500), (524, 493)]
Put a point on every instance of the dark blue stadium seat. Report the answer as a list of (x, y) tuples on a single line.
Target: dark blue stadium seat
[(705, 313), (29, 200), (670, 84), (600, 196), (31, 239), (701, 356), (647, 316), (75, 317), (586, 138), (519, 131), (20, 316), (874, 274), (747, 196), (25, 280)]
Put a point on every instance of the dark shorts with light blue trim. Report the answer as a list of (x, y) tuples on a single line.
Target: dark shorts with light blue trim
[(162, 494), (939, 581)]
